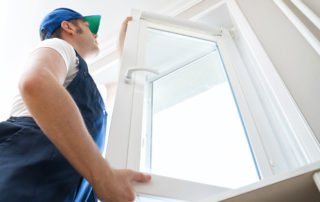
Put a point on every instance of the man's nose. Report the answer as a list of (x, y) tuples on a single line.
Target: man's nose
[(95, 35)]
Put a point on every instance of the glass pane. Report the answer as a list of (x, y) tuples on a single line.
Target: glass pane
[(194, 130)]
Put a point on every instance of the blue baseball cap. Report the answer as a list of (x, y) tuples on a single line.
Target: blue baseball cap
[(54, 19)]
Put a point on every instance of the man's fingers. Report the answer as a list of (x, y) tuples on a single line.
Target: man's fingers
[(125, 24), (127, 20), (139, 177)]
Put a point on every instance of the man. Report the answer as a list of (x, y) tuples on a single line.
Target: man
[(49, 148)]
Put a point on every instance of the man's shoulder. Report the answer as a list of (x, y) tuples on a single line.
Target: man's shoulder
[(54, 42), (60, 45), (66, 51)]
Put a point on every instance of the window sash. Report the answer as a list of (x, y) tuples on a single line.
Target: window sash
[(123, 150), (132, 154), (137, 111), (126, 127)]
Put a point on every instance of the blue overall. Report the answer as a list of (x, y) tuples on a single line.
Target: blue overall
[(31, 167)]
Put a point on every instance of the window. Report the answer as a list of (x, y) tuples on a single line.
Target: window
[(190, 109)]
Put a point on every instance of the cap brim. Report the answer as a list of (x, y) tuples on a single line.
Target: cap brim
[(94, 22)]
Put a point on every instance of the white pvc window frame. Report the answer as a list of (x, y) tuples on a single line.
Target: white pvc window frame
[(223, 39), (125, 138)]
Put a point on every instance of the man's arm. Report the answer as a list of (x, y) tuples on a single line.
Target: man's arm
[(59, 118), (112, 86), (122, 36)]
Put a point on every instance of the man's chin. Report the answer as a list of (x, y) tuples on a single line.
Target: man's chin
[(94, 53)]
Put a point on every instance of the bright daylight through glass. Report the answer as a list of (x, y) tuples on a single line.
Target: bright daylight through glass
[(195, 129)]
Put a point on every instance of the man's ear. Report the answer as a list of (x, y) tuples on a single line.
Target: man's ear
[(67, 27)]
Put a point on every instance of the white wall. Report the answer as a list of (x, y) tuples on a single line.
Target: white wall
[(295, 60)]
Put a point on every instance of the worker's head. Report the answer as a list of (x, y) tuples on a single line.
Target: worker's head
[(80, 31)]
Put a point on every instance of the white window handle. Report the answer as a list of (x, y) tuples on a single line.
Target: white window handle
[(130, 71)]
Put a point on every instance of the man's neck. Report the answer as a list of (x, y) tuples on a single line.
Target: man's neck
[(76, 47)]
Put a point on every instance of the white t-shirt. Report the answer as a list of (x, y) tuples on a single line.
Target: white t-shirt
[(71, 60)]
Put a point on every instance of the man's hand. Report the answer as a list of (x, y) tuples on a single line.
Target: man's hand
[(122, 35), (118, 187)]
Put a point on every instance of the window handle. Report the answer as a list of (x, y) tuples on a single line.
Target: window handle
[(130, 71)]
